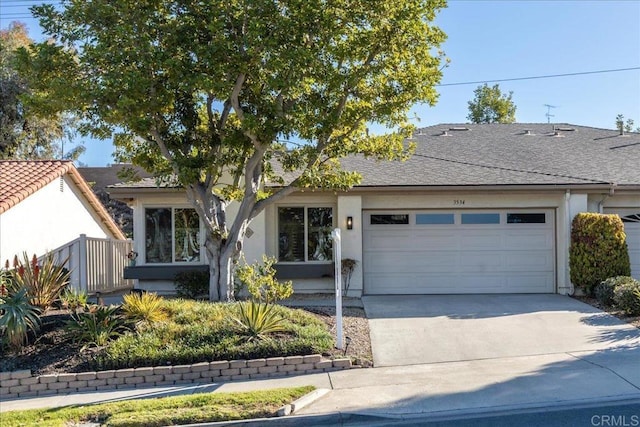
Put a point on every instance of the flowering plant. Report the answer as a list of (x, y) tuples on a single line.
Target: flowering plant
[(132, 255)]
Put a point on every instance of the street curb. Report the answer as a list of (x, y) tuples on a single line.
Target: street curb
[(329, 419), (302, 402), (470, 413)]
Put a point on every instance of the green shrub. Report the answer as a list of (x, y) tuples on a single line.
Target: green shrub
[(598, 250), (257, 320), (261, 283), (17, 318), (97, 325), (43, 282), (192, 284), (202, 331), (604, 290), (626, 297), (73, 300), (144, 308)]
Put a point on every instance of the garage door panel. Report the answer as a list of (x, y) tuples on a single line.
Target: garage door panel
[(480, 262), (484, 240), (437, 283), (632, 231), (527, 261), (531, 282), (633, 243), (389, 239), (421, 257), (419, 262), (534, 240), (630, 216)]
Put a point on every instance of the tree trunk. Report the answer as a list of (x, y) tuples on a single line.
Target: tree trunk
[(225, 281), (213, 255), (222, 257)]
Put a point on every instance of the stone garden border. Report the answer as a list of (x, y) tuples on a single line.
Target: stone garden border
[(23, 384)]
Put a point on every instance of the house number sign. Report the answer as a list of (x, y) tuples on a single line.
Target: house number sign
[(458, 202)]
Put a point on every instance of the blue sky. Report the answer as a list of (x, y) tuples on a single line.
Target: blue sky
[(492, 40)]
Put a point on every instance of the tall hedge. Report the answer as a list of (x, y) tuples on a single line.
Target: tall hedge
[(598, 250)]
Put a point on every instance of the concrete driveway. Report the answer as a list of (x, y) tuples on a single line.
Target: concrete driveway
[(417, 329)]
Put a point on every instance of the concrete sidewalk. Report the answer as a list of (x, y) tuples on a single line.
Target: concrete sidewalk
[(441, 389), (457, 388)]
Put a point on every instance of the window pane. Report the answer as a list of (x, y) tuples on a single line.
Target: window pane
[(481, 218), (434, 219), (389, 219), (526, 218), (158, 235), (631, 218), (319, 234), (290, 234), (187, 227)]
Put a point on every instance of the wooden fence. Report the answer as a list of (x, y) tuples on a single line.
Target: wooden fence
[(96, 265)]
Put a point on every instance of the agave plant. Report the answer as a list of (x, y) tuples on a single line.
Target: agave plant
[(97, 325), (257, 320), (144, 308), (18, 317), (43, 282)]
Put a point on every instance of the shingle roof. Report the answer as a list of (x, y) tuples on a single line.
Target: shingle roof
[(502, 154), (506, 154), (20, 179)]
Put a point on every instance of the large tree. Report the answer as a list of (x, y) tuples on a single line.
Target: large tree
[(207, 91), (24, 134), (490, 105)]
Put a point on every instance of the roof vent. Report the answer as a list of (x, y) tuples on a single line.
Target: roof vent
[(557, 134), (445, 133), (459, 128), (566, 129), (528, 132)]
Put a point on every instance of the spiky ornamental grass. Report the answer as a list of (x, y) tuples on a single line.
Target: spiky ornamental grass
[(18, 318)]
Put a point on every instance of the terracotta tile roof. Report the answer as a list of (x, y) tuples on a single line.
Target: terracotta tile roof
[(21, 178)]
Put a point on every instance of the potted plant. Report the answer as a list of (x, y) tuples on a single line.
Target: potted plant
[(132, 255), (348, 265)]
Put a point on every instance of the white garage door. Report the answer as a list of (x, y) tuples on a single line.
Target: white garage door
[(454, 252), (631, 220)]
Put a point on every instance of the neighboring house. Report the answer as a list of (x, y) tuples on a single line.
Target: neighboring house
[(477, 209), (45, 204), (99, 178)]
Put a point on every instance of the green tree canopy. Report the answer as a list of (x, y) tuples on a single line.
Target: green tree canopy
[(490, 105), (24, 134), (206, 91)]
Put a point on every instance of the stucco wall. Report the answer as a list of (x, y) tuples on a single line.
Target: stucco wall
[(566, 204), (51, 217), (352, 239)]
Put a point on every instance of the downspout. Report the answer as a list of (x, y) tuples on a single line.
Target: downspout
[(567, 239), (606, 196)]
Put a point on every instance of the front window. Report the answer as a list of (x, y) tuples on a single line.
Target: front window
[(172, 235), (304, 234)]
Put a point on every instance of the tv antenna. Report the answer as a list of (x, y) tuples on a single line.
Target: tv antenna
[(548, 114)]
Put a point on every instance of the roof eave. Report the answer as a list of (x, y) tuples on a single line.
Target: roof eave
[(96, 204)]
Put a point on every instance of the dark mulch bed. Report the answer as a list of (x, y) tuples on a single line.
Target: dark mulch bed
[(51, 351)]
